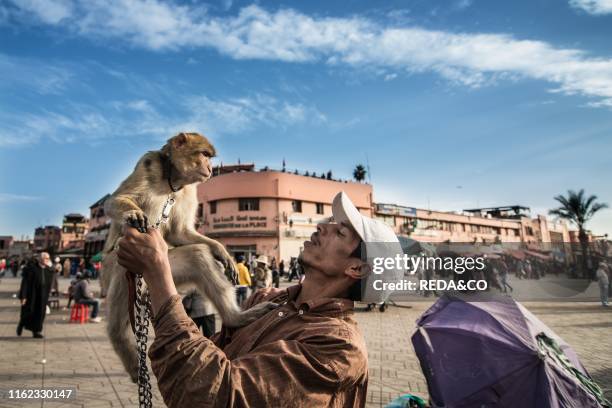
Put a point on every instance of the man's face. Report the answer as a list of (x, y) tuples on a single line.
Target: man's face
[(329, 248), (44, 258)]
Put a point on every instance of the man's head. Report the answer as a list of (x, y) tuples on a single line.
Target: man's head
[(44, 258), (335, 249)]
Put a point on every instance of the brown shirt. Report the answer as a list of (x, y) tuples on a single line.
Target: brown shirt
[(306, 355)]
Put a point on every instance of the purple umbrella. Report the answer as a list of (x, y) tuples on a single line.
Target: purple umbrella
[(486, 351)]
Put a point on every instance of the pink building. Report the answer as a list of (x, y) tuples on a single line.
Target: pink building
[(270, 212)]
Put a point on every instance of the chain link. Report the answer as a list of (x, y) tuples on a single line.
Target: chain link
[(143, 315)]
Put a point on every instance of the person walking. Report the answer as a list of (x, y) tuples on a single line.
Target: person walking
[(37, 278), (281, 268), (244, 280), (503, 275), (275, 274), (602, 279), (57, 271), (83, 296), (201, 312), (67, 267), (263, 274)]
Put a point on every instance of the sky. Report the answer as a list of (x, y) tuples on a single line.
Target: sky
[(452, 105)]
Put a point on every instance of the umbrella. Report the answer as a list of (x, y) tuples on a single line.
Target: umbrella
[(486, 351)]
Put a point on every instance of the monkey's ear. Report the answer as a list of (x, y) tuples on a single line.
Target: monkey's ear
[(179, 140)]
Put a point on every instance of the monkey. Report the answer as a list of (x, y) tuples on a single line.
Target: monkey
[(196, 260)]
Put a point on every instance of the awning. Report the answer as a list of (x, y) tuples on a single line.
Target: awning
[(538, 255)]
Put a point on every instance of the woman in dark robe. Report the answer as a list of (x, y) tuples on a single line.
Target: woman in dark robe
[(34, 294)]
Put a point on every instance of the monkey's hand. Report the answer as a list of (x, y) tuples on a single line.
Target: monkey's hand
[(222, 256), (136, 219)]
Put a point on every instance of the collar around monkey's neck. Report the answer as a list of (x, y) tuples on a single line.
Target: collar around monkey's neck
[(168, 167)]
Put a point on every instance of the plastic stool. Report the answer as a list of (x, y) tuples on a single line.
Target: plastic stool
[(79, 313)]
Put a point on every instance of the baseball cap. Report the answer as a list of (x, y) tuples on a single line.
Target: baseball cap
[(378, 239)]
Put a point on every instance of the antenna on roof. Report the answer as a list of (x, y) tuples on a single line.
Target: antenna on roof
[(369, 173)]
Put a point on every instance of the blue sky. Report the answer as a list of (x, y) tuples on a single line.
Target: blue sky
[(455, 104)]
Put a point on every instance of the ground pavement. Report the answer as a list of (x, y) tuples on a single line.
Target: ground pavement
[(81, 356)]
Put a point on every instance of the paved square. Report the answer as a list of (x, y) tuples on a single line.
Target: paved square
[(81, 356)]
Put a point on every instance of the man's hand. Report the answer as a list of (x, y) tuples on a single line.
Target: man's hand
[(147, 254), (23, 301)]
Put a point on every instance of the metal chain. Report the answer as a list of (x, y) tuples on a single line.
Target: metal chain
[(142, 317), (165, 214), (143, 314)]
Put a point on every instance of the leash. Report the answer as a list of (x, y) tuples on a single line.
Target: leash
[(139, 308)]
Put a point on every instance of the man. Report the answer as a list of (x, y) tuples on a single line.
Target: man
[(602, 278), (244, 280), (34, 295), (263, 274), (308, 352), (201, 312), (82, 295)]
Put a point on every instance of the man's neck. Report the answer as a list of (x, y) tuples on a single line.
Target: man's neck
[(318, 286)]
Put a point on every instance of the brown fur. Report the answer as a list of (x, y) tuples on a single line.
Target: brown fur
[(195, 259)]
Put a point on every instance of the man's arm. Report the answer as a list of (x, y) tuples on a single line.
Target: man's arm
[(191, 370)]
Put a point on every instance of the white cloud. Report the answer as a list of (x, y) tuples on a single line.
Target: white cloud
[(140, 118), (236, 115), (471, 60), (47, 11), (597, 7), (29, 74), (8, 197)]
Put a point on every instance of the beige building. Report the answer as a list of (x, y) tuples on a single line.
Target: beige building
[(47, 238), (270, 212), (98, 227), (74, 228)]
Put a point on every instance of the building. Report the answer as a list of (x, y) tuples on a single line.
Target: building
[(273, 212), (99, 225), (269, 212), (6, 241), (48, 239), (21, 248), (74, 228), (438, 226), (486, 225)]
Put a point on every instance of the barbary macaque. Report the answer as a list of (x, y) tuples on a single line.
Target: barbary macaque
[(196, 260)]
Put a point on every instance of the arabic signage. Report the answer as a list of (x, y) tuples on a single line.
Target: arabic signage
[(239, 221)]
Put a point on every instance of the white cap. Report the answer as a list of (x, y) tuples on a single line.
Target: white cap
[(370, 231)]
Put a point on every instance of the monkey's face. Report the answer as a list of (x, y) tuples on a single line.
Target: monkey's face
[(192, 155)]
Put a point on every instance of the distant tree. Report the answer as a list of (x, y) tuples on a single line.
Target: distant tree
[(322, 176), (329, 175), (307, 174), (359, 173), (578, 209), (296, 172)]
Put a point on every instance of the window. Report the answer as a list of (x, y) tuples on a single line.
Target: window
[(296, 205), (213, 207), (201, 210), (319, 208), (248, 204)]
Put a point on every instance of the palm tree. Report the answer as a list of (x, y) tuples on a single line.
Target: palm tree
[(578, 209), (359, 173)]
